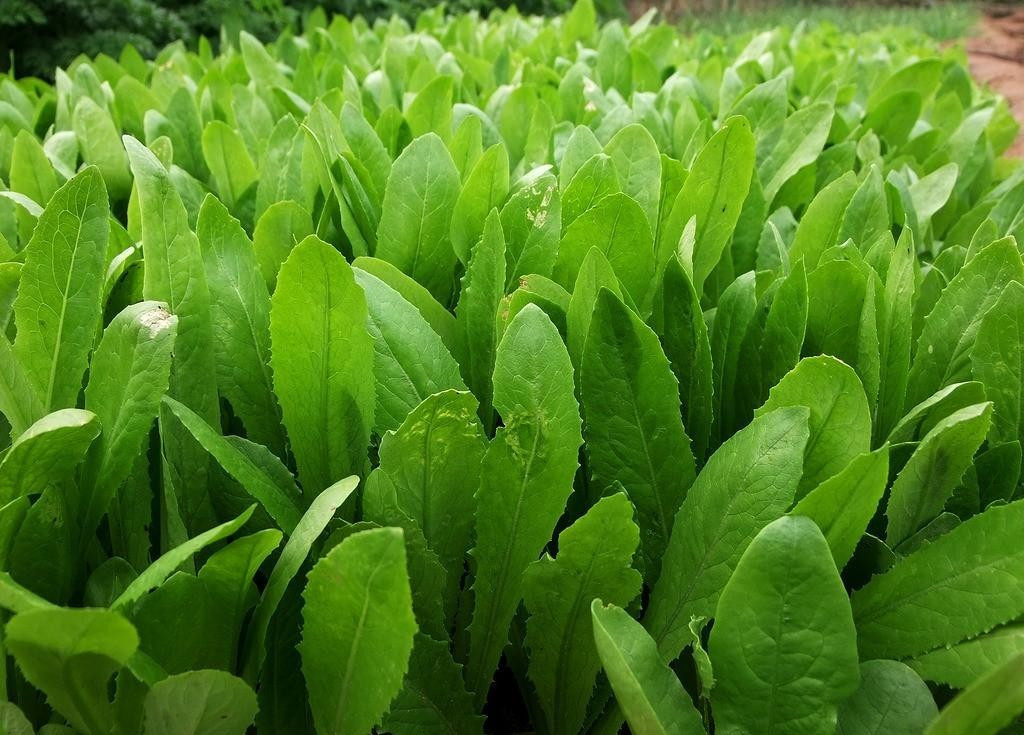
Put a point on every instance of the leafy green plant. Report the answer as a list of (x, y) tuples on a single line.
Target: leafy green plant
[(511, 374)]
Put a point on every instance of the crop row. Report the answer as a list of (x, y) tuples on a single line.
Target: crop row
[(403, 378)]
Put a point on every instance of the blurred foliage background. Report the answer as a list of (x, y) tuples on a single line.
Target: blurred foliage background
[(36, 36)]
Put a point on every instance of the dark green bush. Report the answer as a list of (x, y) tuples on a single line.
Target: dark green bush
[(36, 36)]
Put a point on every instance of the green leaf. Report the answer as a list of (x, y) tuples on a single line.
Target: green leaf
[(891, 699), (594, 558), (19, 401), (280, 228), (205, 702), (959, 585), (174, 275), (867, 215), (733, 316), (783, 645), (648, 691), (70, 655), (416, 215), (531, 219), (616, 226), (596, 274), (926, 415), (749, 482), (594, 180), (713, 192), (278, 501), (933, 472), (987, 706), (482, 289), (525, 480), (844, 504), (486, 188), (322, 358), (57, 311), (771, 347), (438, 317), (240, 313), (227, 580), (410, 361), (232, 168), (46, 453), (31, 175), (960, 665), (897, 320), (366, 146), (128, 376), (358, 630), (162, 568), (433, 460), (799, 143), (431, 109), (818, 228), (840, 421), (634, 435), (98, 143), (997, 361), (950, 330), (308, 530), (638, 164), (433, 700)]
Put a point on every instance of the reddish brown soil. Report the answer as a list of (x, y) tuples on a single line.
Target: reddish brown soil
[(996, 55)]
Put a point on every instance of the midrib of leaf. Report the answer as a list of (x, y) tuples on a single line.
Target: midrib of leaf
[(57, 347), (611, 232), (422, 206), (503, 569), (353, 649)]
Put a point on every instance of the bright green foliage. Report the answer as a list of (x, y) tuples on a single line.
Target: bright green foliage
[(71, 655), (650, 694), (951, 589), (594, 556), (526, 478), (509, 374), (58, 307), (318, 331), (784, 651), (208, 701), (891, 699), (357, 632), (838, 418), (750, 481), (633, 430), (987, 706)]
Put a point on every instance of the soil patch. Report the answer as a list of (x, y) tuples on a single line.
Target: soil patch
[(996, 56)]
